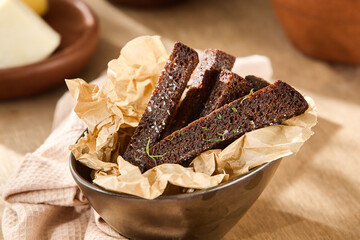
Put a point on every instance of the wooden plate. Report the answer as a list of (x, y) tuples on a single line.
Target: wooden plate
[(78, 28)]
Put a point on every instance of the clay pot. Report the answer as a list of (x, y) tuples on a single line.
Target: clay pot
[(144, 3), (324, 29)]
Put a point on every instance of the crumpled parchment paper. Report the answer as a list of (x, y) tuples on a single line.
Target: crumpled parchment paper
[(112, 112)]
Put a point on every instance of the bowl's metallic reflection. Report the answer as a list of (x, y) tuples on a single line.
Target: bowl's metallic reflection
[(205, 214)]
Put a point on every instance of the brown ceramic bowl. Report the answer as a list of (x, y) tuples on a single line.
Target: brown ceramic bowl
[(205, 214), (327, 30), (78, 28), (144, 3)]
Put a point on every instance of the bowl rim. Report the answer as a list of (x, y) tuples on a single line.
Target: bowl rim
[(221, 186)]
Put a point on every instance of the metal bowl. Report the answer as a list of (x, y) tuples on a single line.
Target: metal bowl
[(204, 214)]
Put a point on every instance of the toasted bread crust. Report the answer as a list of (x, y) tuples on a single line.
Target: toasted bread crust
[(229, 87), (204, 78), (256, 83), (270, 105), (162, 103)]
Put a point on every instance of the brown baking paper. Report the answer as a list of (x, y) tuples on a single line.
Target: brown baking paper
[(112, 112)]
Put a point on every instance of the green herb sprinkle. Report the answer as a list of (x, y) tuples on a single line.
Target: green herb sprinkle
[(153, 156), (213, 140)]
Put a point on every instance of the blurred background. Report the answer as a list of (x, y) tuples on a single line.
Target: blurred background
[(314, 47)]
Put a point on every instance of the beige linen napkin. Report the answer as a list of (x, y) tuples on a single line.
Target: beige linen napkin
[(42, 199)]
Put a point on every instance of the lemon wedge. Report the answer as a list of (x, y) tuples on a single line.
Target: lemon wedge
[(39, 6)]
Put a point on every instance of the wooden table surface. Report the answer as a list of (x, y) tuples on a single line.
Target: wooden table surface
[(313, 195)]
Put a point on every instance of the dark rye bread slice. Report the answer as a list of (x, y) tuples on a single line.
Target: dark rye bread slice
[(257, 83), (230, 87), (204, 78), (270, 105), (162, 103)]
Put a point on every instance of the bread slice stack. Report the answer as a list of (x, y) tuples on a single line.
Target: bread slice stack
[(218, 108)]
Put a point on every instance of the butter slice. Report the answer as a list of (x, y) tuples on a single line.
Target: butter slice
[(24, 36)]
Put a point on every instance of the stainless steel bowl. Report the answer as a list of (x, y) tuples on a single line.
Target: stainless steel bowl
[(205, 214)]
